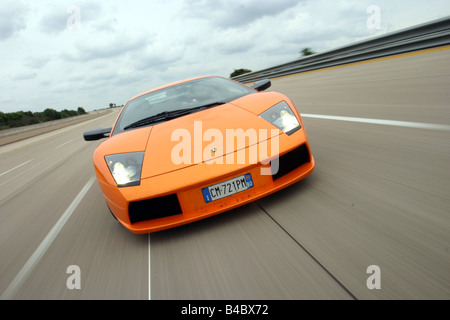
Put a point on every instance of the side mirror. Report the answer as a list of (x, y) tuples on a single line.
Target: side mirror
[(262, 85), (96, 134)]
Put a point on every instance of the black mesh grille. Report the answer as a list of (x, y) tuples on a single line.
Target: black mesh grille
[(290, 161), (154, 208)]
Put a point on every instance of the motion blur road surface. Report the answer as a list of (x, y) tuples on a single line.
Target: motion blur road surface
[(379, 196)]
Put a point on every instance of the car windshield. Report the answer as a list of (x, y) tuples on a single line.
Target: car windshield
[(192, 95)]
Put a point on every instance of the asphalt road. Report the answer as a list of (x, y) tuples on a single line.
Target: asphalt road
[(379, 196)]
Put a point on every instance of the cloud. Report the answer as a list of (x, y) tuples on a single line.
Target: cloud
[(54, 22), (25, 76), (37, 62), (99, 49), (62, 17), (12, 19), (157, 56), (232, 14)]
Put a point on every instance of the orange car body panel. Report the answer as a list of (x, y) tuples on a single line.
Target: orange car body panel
[(160, 176)]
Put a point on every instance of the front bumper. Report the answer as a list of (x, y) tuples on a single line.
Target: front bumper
[(176, 198)]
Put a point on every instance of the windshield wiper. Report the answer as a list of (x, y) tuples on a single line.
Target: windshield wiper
[(168, 115)]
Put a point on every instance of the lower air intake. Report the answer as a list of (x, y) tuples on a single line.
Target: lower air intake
[(154, 208), (291, 161)]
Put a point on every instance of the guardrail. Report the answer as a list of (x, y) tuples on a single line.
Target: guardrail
[(428, 35)]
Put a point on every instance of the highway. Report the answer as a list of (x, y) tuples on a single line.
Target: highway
[(379, 196)]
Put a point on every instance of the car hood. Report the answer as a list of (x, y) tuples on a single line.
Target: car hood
[(189, 140)]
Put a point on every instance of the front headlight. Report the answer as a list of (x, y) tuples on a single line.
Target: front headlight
[(281, 116), (126, 168)]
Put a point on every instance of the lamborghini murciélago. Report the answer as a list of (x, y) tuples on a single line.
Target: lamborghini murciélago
[(195, 148)]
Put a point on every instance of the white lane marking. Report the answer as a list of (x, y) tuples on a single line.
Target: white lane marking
[(16, 167), (26, 270), (408, 124), (149, 271), (63, 144), (36, 165)]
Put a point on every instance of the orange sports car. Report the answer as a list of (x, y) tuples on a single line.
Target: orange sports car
[(198, 147)]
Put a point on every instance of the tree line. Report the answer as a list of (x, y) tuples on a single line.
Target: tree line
[(25, 118)]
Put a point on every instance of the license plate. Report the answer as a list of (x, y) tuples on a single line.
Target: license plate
[(227, 188)]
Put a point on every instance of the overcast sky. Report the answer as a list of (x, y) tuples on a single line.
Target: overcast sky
[(79, 53)]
